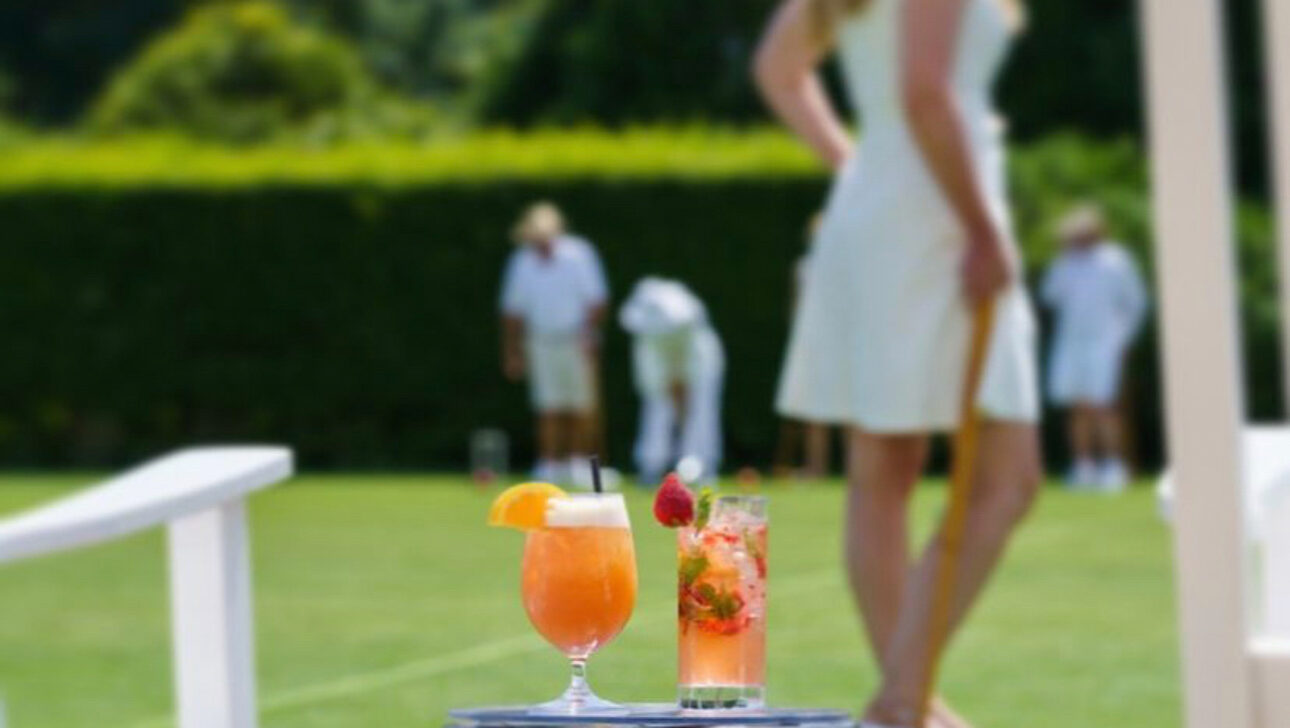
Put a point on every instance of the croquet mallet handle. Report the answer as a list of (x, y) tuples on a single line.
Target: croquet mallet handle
[(960, 495)]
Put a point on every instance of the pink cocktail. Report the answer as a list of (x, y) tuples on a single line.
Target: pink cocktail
[(721, 593)]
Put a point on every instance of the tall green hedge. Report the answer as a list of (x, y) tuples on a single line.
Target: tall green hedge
[(353, 314)]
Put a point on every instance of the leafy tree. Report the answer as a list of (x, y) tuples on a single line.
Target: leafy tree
[(245, 72), (445, 50), (621, 61)]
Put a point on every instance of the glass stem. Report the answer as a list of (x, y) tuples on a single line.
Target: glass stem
[(578, 691)]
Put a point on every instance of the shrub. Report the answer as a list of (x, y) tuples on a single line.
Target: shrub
[(243, 72), (156, 292)]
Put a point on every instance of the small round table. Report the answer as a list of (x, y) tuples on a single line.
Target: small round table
[(652, 715)]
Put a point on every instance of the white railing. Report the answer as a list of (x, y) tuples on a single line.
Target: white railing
[(199, 495)]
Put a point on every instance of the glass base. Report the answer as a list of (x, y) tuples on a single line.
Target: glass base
[(587, 703), (578, 698), (721, 697)]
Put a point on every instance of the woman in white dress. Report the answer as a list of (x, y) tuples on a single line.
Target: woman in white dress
[(916, 234)]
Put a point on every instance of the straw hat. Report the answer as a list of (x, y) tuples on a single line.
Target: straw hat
[(541, 221), (1085, 220)]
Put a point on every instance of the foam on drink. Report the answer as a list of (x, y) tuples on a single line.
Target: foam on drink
[(587, 511)]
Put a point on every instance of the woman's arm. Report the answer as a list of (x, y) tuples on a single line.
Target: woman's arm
[(931, 29), (784, 69)]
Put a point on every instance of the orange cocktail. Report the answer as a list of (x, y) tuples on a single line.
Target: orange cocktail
[(721, 597), (579, 585)]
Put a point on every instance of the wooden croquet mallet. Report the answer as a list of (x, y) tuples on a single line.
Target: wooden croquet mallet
[(960, 496)]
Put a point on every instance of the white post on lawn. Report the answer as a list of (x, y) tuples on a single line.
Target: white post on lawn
[(1197, 274), (1272, 655), (210, 594), (1276, 23)]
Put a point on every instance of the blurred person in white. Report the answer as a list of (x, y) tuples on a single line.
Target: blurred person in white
[(916, 237), (1100, 302), (679, 367), (553, 304)]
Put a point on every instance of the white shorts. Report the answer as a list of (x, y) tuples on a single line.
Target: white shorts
[(560, 376), (1085, 372)]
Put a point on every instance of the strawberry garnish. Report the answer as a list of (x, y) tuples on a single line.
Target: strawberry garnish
[(674, 503)]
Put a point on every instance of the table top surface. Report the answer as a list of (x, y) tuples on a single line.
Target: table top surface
[(651, 715)]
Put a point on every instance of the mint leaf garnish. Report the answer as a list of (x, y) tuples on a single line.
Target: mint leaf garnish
[(725, 605), (704, 510), (692, 566)]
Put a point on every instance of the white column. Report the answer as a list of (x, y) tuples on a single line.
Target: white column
[(1197, 278), (1276, 24), (210, 591), (1276, 576)]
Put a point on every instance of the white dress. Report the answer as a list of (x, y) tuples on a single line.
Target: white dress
[(881, 337)]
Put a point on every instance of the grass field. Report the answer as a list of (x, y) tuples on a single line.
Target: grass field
[(382, 601)]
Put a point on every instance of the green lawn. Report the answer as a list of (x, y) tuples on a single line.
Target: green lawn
[(382, 601)]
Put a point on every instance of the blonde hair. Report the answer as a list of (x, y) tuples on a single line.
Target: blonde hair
[(829, 13)]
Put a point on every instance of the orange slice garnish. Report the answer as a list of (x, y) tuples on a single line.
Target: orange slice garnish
[(523, 506)]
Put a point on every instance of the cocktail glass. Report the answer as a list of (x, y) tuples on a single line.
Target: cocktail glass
[(722, 607), (579, 586)]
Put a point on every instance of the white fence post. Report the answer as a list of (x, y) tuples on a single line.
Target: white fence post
[(1197, 276), (210, 590)]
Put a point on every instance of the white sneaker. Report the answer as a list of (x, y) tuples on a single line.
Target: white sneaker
[(580, 477), (546, 471), (578, 473), (1083, 476), (611, 478), (1113, 476)]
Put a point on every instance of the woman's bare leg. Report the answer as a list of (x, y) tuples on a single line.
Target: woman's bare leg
[(881, 471), (1006, 480)]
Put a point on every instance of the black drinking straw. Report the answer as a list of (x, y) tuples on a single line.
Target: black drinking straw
[(595, 474)]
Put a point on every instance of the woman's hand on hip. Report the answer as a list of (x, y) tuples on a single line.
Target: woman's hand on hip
[(986, 270)]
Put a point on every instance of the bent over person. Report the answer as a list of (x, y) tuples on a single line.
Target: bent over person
[(679, 367), (553, 305)]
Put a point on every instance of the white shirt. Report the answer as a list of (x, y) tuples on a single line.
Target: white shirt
[(553, 295), (1096, 293), (600, 285), (673, 339), (658, 307)]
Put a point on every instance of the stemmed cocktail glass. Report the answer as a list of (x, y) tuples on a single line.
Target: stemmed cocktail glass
[(579, 586)]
